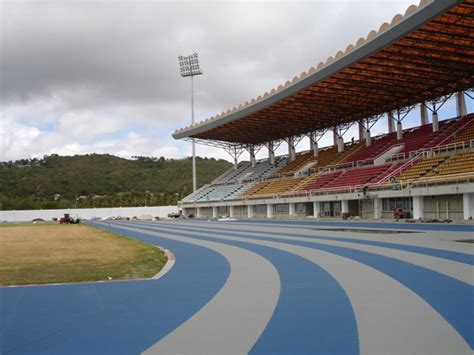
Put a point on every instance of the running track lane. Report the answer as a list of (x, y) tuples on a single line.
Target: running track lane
[(417, 327), (345, 224), (313, 312), (436, 289), (445, 254), (112, 317)]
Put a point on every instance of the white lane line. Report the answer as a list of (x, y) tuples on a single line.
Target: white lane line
[(391, 318), (235, 318), (170, 261)]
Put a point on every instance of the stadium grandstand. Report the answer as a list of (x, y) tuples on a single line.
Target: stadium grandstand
[(415, 64)]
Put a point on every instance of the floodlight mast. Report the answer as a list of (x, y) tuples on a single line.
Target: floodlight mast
[(189, 66)]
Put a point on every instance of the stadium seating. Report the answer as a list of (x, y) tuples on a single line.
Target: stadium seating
[(300, 161), (349, 151), (358, 176), (247, 182), (275, 187), (465, 134), (199, 194), (460, 163), (218, 193), (245, 172), (320, 181), (232, 175), (263, 169), (420, 169), (378, 146)]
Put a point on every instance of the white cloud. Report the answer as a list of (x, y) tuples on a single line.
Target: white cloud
[(82, 76)]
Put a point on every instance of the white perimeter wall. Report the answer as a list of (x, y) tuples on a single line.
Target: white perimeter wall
[(87, 213)]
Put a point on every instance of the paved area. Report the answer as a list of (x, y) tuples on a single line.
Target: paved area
[(264, 287)]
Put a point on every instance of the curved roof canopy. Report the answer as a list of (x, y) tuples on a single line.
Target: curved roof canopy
[(426, 54)]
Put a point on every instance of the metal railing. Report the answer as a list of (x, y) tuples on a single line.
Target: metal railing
[(429, 152)]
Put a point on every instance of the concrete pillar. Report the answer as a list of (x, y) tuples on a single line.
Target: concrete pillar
[(316, 209), (231, 211), (418, 207), (250, 211), (292, 209), (185, 212), (361, 130), (399, 131), (334, 136), (423, 115), (271, 153), (252, 156), (345, 206), (236, 163), (468, 205), (435, 122), (368, 138), (340, 144), (312, 139), (269, 211), (198, 212), (390, 122), (214, 212), (291, 149), (315, 149), (461, 109), (377, 208)]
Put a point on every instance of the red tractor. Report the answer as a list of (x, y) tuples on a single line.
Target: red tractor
[(67, 219)]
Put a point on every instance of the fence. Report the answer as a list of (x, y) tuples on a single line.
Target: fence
[(87, 213)]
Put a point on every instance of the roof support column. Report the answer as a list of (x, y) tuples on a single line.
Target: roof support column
[(334, 136), (252, 155), (435, 122), (234, 151), (437, 104), (271, 152), (340, 144), (461, 109), (314, 138), (399, 131), (423, 114), (401, 114), (312, 141), (361, 130), (313, 144), (291, 148), (390, 122), (368, 138)]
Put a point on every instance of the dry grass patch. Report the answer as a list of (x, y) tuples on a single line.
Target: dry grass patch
[(35, 254)]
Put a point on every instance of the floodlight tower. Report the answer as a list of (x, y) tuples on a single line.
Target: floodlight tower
[(189, 66)]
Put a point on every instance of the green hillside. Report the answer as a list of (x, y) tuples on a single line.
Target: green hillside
[(100, 180)]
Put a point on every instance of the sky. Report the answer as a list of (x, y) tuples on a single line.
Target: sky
[(81, 77)]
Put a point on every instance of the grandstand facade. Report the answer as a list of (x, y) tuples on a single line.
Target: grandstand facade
[(418, 62)]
